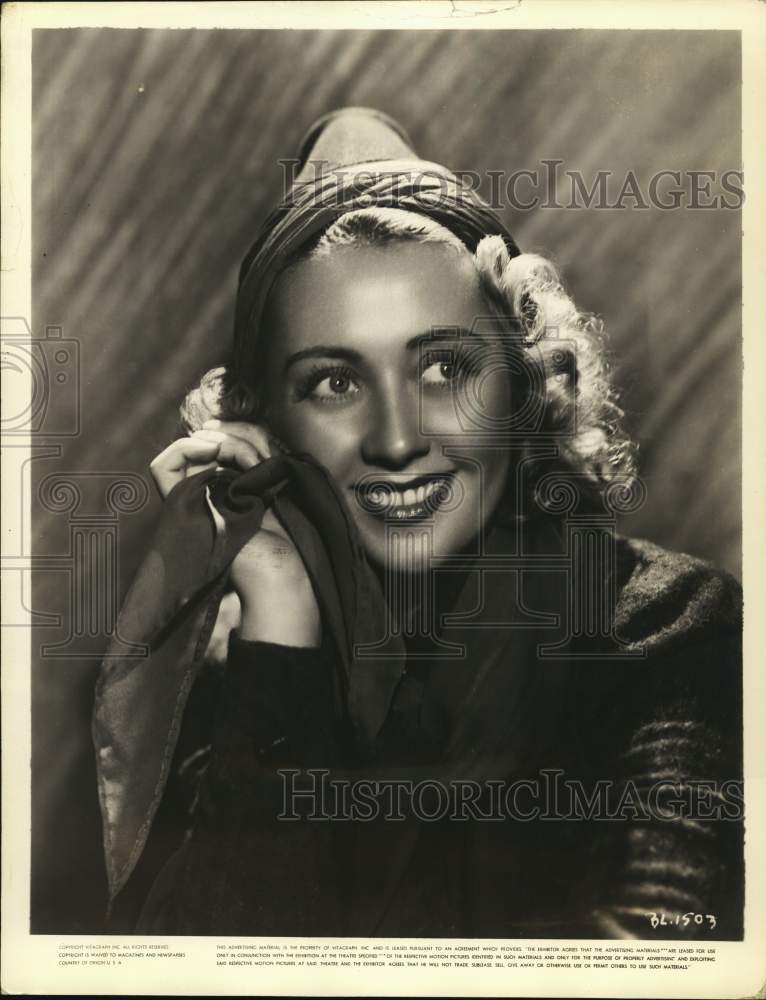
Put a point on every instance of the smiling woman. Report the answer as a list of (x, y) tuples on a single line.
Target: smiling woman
[(400, 493), (358, 379)]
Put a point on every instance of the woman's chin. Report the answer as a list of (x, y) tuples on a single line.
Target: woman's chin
[(411, 546)]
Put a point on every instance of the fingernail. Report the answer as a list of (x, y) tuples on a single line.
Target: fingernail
[(212, 423)]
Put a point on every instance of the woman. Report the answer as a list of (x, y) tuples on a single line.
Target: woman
[(453, 701)]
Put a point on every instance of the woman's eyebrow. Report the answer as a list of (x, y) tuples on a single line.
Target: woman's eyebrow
[(325, 351), (440, 333)]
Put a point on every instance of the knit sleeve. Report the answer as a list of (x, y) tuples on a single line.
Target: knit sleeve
[(676, 868)]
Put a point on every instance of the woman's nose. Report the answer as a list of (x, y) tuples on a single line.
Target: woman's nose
[(393, 439)]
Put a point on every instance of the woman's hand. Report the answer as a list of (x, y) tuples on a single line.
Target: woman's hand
[(278, 602)]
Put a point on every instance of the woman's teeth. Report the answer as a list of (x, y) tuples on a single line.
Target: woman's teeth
[(391, 498)]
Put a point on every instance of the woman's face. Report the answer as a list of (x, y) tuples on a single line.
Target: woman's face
[(375, 371)]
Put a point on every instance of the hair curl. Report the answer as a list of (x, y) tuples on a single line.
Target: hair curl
[(576, 402)]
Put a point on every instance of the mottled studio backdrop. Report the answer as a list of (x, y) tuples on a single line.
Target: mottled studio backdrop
[(154, 161)]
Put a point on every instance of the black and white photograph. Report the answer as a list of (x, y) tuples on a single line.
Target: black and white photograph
[(380, 548)]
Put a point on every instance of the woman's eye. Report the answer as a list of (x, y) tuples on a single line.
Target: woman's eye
[(334, 387), (440, 373)]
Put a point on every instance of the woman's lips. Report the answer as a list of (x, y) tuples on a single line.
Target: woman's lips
[(416, 498)]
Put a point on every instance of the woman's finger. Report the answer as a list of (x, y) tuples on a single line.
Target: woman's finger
[(192, 470), (171, 465), (254, 434), (231, 450)]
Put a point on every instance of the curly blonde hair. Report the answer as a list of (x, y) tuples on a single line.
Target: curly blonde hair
[(575, 402)]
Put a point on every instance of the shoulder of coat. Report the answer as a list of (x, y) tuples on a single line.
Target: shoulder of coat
[(668, 598)]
